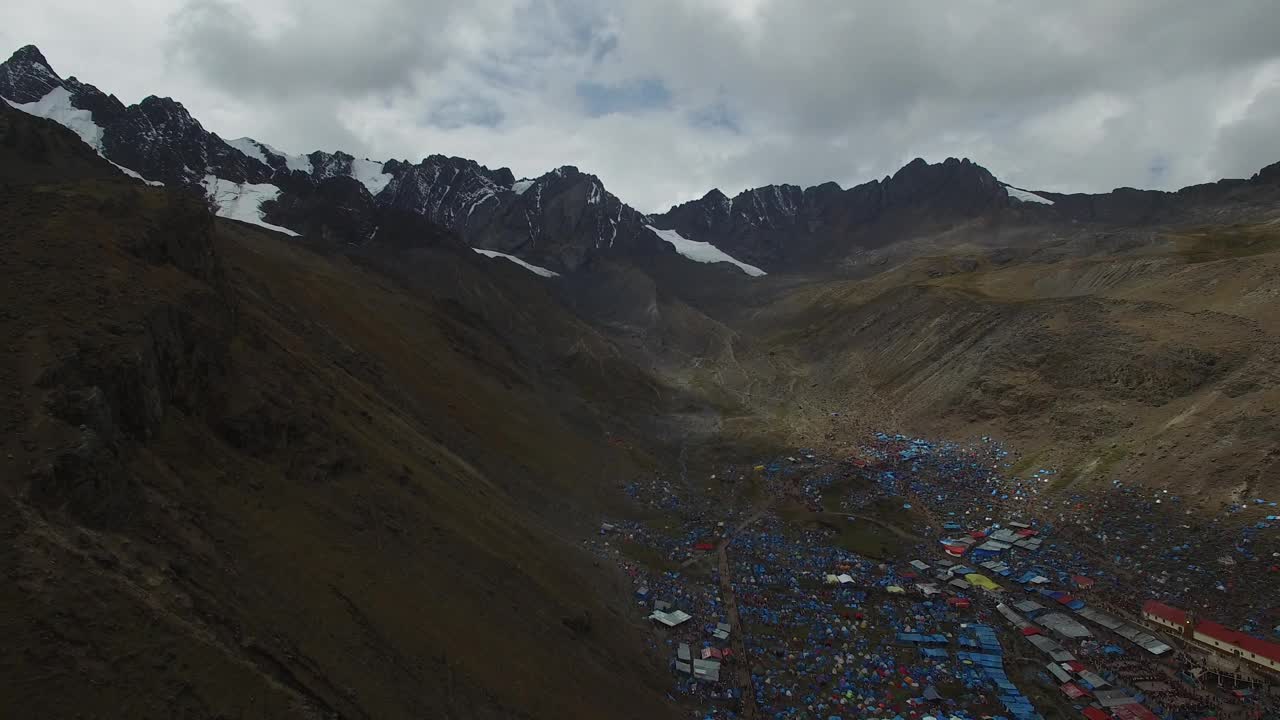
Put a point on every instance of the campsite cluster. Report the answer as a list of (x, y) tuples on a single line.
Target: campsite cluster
[(921, 580)]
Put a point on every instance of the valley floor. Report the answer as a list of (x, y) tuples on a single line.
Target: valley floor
[(853, 587)]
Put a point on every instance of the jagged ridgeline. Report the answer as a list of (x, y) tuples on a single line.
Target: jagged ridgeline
[(564, 219)]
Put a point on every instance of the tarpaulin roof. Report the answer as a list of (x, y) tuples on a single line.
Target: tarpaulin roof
[(1113, 698), (670, 619), (1093, 680), (1064, 626), (982, 581), (1072, 691), (1056, 670)]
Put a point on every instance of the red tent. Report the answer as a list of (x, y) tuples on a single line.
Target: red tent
[(1094, 713), (705, 546), (1082, 581), (1074, 666), (1028, 631), (977, 534), (960, 603)]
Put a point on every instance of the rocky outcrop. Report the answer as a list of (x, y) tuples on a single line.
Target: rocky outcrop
[(558, 220), (781, 225), (26, 76), (113, 391)]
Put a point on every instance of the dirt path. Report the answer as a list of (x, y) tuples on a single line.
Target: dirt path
[(904, 534), (742, 666)]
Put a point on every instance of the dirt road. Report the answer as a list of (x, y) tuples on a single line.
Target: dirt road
[(742, 662)]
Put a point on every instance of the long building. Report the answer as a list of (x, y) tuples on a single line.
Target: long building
[(1224, 640)]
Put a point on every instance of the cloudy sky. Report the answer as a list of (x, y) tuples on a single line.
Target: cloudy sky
[(666, 99)]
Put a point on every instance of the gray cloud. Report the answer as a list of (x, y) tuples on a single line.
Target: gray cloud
[(308, 47), (667, 98)]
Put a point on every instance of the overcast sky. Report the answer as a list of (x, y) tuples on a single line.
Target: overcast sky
[(665, 100)]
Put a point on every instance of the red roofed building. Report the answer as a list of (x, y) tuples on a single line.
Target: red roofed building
[(1238, 644), (1226, 641), (1170, 617)]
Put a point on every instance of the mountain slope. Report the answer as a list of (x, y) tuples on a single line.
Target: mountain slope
[(276, 482)]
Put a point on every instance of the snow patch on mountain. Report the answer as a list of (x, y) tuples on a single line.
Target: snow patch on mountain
[(703, 252), (527, 266), (521, 185), (1025, 196), (242, 201), (294, 162), (250, 148), (369, 173), (56, 106), (135, 175)]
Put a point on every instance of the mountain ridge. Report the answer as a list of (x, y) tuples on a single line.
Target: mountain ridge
[(565, 218)]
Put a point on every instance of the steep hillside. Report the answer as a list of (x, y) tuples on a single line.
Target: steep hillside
[(248, 479), (1155, 362)]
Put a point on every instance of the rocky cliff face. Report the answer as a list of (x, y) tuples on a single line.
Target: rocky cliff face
[(559, 220)]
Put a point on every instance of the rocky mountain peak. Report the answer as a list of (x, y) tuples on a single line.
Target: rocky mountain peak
[(30, 56), (27, 76), (953, 185), (777, 225)]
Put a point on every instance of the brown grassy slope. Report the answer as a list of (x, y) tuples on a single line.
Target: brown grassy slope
[(1157, 363), (245, 480)]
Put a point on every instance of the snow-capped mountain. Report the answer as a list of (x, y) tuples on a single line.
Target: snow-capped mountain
[(562, 220), (558, 221)]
